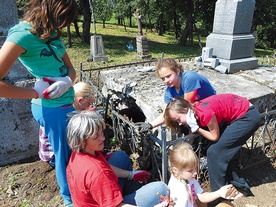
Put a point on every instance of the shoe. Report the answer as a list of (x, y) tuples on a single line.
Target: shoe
[(52, 161)]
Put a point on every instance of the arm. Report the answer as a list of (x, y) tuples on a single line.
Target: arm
[(159, 120), (223, 192), (8, 55), (120, 172), (190, 96), (70, 68), (213, 133)]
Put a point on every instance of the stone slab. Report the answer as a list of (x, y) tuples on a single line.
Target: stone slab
[(148, 89)]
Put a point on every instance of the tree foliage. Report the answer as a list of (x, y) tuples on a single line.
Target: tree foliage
[(185, 18)]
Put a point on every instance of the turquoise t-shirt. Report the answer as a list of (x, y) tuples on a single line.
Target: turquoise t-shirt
[(43, 58)]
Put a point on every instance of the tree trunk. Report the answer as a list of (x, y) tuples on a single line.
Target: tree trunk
[(77, 28), (85, 8), (161, 25), (188, 30), (69, 36)]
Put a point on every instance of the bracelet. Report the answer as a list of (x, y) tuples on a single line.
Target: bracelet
[(130, 175)]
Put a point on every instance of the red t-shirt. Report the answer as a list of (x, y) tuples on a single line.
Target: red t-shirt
[(92, 182), (226, 108)]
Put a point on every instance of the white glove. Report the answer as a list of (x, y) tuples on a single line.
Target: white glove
[(191, 121), (39, 87), (59, 86)]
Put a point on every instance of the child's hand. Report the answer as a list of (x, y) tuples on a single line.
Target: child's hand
[(229, 192)]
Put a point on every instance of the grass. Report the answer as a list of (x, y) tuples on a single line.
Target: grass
[(115, 39)]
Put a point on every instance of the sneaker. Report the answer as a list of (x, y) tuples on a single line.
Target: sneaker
[(52, 161)]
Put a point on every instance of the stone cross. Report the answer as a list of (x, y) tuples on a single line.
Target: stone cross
[(138, 16)]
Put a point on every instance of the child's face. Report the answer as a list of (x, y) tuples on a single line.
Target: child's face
[(84, 103), (168, 76), (188, 174), (95, 143), (178, 117)]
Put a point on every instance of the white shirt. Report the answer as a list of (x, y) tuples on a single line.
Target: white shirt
[(178, 191)]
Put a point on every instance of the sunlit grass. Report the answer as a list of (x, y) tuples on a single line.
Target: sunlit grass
[(115, 39)]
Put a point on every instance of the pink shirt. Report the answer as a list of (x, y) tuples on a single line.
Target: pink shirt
[(226, 108)]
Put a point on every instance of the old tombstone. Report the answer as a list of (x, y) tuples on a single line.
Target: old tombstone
[(231, 39), (141, 40), (19, 131), (97, 53)]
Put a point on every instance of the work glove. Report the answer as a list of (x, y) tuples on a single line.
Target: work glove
[(59, 86), (138, 175), (39, 87), (191, 121), (143, 127)]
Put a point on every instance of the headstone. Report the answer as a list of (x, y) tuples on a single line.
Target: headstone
[(232, 40), (97, 53), (19, 130), (141, 40)]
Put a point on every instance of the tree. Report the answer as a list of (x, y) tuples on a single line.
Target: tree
[(103, 10), (85, 10)]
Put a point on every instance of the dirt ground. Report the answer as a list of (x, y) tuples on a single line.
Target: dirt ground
[(32, 183)]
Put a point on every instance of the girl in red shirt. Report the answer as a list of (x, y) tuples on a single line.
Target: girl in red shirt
[(240, 116)]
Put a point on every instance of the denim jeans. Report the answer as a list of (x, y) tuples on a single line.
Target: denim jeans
[(145, 196)]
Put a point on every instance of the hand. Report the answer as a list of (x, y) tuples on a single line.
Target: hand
[(39, 87), (229, 192), (191, 121), (139, 175), (143, 127), (59, 86)]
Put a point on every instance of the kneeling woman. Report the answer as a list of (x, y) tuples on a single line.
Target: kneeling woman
[(240, 116), (91, 180)]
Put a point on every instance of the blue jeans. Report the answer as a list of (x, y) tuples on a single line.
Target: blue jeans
[(54, 121), (133, 193)]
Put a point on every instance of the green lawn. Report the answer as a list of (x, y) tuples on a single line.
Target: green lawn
[(115, 39)]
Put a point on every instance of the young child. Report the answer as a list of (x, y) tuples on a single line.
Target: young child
[(84, 97), (91, 180), (239, 116), (189, 85), (184, 188)]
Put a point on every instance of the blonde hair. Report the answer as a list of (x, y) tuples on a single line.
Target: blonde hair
[(182, 156), (168, 63), (84, 90)]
